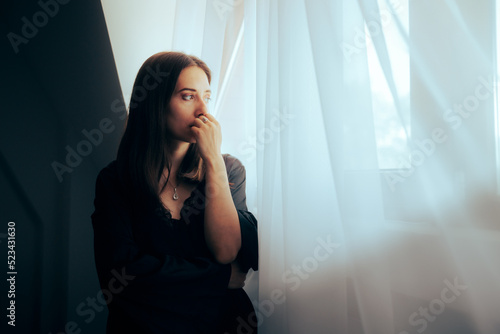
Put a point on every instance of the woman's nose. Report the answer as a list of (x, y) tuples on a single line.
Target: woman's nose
[(202, 107)]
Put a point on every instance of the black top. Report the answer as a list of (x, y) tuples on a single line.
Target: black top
[(157, 273)]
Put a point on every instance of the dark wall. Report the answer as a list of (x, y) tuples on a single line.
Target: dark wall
[(58, 80)]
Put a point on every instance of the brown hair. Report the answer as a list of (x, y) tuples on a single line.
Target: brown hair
[(142, 154)]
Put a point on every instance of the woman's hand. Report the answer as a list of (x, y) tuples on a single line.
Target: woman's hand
[(208, 136), (222, 227), (238, 277)]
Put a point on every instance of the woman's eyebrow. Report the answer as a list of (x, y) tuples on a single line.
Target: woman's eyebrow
[(193, 90)]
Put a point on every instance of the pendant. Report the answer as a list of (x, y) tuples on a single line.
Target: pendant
[(175, 197)]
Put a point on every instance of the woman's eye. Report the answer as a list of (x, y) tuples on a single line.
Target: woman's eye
[(188, 97), (207, 99)]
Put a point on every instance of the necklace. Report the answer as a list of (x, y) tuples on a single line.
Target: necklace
[(175, 196)]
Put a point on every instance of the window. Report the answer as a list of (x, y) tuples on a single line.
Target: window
[(390, 90)]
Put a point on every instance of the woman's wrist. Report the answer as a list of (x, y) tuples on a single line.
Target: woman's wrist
[(215, 163)]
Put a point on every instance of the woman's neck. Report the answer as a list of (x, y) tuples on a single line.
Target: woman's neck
[(176, 152)]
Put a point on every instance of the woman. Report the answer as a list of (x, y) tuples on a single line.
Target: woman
[(173, 239)]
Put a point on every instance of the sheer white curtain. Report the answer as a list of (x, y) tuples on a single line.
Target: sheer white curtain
[(376, 194), (346, 245), (319, 223)]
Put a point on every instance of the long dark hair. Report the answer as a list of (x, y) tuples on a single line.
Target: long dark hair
[(142, 154)]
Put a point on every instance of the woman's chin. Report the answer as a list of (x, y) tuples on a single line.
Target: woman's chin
[(185, 139)]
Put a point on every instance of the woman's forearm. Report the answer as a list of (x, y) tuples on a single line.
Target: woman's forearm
[(222, 227)]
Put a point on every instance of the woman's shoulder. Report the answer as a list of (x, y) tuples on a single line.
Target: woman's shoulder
[(109, 172), (235, 169), (108, 177), (232, 162), (109, 184)]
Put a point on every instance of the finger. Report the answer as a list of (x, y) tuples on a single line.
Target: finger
[(199, 121), (211, 118), (196, 131), (204, 118)]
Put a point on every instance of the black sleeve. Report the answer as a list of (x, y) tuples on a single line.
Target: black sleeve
[(248, 255), (148, 280)]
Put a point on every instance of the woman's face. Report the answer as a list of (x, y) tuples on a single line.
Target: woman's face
[(189, 101)]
